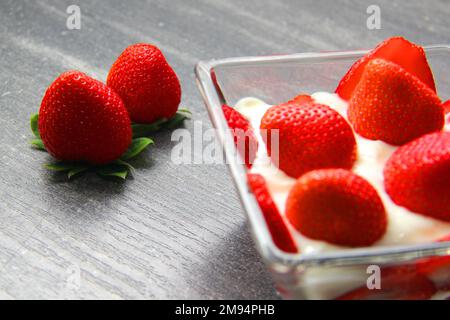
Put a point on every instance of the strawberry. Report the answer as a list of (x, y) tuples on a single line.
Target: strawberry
[(417, 175), (396, 287), (278, 229), (407, 55), (146, 83), (301, 99), (446, 106), (241, 129), (81, 119), (310, 136), (336, 206), (392, 105)]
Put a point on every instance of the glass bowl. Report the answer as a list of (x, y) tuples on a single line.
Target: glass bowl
[(276, 79)]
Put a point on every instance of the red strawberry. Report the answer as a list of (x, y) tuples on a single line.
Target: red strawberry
[(244, 137), (82, 119), (278, 229), (310, 136), (146, 83), (417, 175), (392, 105), (301, 99), (336, 206), (403, 287), (409, 56), (438, 269), (446, 106)]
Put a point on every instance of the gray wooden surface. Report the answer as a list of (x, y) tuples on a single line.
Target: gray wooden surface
[(172, 231)]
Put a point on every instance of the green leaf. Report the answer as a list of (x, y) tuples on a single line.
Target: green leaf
[(60, 166), (113, 170), (178, 118), (136, 147), (143, 129), (185, 111), (34, 125), (76, 171), (38, 144), (131, 169)]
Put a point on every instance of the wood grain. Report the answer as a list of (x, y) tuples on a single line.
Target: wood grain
[(172, 231)]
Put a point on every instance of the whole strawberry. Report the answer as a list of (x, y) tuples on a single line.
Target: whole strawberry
[(310, 136), (392, 105), (417, 175), (146, 83), (277, 227), (243, 135), (81, 119), (336, 206)]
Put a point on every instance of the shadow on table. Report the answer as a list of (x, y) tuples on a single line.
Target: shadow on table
[(235, 270)]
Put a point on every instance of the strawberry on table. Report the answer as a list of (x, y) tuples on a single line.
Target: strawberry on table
[(146, 83), (310, 136), (398, 50), (81, 119), (392, 105), (336, 206), (278, 229), (417, 176), (241, 129)]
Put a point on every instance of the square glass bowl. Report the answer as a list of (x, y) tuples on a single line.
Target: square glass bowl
[(276, 79)]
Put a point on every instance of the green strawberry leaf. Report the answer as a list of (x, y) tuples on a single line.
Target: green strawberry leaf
[(144, 130), (34, 125), (38, 144), (61, 166), (113, 170), (137, 146), (131, 169), (178, 118), (76, 171)]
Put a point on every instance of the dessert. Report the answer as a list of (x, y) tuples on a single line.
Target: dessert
[(372, 157), (403, 226)]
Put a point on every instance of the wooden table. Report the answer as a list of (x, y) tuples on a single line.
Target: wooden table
[(174, 231)]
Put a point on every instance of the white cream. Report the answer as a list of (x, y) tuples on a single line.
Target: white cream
[(404, 226)]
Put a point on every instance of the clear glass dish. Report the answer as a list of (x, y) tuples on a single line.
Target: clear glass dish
[(276, 79)]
